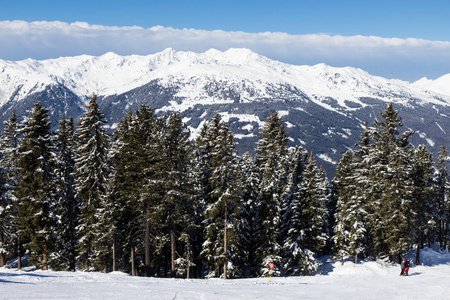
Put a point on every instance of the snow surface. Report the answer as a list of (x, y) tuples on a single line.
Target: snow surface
[(366, 280)]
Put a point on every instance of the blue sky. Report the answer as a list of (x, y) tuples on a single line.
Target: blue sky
[(394, 39)]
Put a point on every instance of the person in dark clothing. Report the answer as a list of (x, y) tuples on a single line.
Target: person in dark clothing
[(402, 266), (406, 266)]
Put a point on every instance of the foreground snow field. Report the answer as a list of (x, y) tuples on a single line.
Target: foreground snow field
[(367, 280)]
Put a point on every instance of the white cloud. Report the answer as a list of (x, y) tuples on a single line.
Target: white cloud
[(390, 57)]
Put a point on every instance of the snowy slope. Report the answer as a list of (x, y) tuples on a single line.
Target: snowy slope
[(440, 85), (111, 74), (367, 280)]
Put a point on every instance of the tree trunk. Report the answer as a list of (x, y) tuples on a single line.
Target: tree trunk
[(133, 264), (356, 258), (19, 258), (419, 245), (147, 246), (189, 263), (225, 245), (173, 252), (114, 256), (44, 258), (445, 235), (2, 241)]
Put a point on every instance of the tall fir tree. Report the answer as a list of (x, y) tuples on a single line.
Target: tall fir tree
[(91, 174), (247, 230), (291, 231), (68, 207), (270, 151), (123, 192), (36, 163), (8, 180), (391, 175), (175, 207), (441, 215), (222, 206), (422, 206), (313, 195)]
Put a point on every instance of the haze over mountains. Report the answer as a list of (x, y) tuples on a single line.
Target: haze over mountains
[(324, 108)]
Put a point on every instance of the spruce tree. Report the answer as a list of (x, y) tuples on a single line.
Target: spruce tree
[(270, 151), (313, 196), (67, 208), (349, 229), (36, 211), (441, 215), (247, 229), (123, 193), (91, 175), (175, 208), (291, 211), (422, 197), (392, 178), (222, 206), (6, 218), (8, 181)]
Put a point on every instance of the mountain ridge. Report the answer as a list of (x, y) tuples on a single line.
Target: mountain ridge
[(324, 108)]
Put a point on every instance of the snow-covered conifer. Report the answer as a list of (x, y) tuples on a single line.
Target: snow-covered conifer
[(36, 164), (91, 173)]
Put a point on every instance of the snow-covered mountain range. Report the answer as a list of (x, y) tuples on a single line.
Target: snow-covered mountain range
[(323, 107)]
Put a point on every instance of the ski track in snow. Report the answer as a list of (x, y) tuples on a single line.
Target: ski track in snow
[(366, 280)]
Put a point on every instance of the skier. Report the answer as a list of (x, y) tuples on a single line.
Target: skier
[(407, 266), (402, 266)]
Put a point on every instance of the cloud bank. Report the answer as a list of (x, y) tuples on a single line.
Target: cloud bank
[(408, 59)]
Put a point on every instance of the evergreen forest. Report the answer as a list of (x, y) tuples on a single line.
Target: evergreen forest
[(150, 200)]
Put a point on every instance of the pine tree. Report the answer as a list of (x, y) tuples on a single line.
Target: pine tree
[(391, 176), (222, 207), (175, 208), (270, 151), (422, 196), (349, 226), (8, 180), (68, 208), (291, 211), (36, 211), (123, 192), (91, 175), (247, 228), (5, 218), (441, 216), (313, 196)]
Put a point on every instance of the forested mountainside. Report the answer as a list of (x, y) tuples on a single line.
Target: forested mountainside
[(323, 108)]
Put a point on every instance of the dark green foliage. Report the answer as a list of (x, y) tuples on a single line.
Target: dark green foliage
[(35, 190), (385, 199), (8, 180), (152, 202), (67, 207), (91, 173), (222, 207), (269, 156)]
